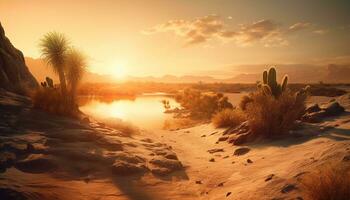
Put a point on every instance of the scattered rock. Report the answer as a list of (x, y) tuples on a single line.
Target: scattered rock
[(166, 163), (241, 139), (215, 150), (171, 155), (287, 188), (225, 157), (213, 133), (198, 182), (221, 184), (314, 117), (346, 158), (121, 167), (212, 160), (36, 164), (333, 108), (161, 171), (228, 194), (203, 136), (269, 177), (249, 161), (222, 138), (313, 108), (241, 151)]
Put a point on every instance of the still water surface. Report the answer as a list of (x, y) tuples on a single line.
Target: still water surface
[(144, 111)]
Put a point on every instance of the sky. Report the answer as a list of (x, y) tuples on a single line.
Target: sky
[(185, 37)]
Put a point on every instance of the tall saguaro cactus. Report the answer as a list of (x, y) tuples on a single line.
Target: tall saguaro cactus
[(270, 85)]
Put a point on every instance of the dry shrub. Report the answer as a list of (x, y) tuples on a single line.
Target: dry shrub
[(51, 101), (228, 118), (329, 183), (245, 100), (270, 117), (200, 104), (179, 123)]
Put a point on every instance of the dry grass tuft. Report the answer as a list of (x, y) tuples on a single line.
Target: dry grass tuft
[(330, 183), (228, 118), (51, 101), (270, 117)]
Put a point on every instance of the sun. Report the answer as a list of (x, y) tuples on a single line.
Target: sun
[(120, 72)]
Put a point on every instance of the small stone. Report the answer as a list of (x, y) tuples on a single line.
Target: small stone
[(241, 151), (215, 150), (212, 160), (203, 136), (198, 182), (269, 177), (223, 138), (221, 184), (225, 157), (287, 188), (249, 161), (228, 194)]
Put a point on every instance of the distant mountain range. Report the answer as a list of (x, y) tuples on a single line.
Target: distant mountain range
[(298, 73)]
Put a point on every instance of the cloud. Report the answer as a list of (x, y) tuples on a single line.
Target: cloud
[(298, 26), (320, 31), (203, 29)]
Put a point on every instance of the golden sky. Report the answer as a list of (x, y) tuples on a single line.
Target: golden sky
[(182, 37)]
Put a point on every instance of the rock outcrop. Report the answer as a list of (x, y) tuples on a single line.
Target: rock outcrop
[(14, 74)]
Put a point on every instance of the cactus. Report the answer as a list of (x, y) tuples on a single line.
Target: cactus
[(270, 85), (49, 82)]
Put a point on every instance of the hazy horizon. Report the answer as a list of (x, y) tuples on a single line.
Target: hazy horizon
[(186, 38)]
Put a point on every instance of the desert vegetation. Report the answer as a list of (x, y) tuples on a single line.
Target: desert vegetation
[(69, 64), (200, 104), (228, 117), (328, 183), (270, 111)]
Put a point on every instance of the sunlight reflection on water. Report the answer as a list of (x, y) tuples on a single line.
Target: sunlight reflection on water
[(145, 111)]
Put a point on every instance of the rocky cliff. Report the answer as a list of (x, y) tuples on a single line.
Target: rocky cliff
[(14, 74)]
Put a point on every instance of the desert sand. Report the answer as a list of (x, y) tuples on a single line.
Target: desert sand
[(50, 157)]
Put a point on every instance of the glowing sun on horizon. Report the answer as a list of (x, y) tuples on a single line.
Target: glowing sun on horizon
[(119, 72)]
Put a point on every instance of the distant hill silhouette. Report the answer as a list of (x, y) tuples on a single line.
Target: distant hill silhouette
[(298, 73)]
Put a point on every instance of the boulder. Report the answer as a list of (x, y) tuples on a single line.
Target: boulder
[(14, 74), (333, 108)]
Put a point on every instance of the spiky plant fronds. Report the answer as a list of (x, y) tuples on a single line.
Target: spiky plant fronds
[(76, 63), (54, 47)]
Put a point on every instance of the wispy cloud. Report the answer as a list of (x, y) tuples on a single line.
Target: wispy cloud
[(203, 29)]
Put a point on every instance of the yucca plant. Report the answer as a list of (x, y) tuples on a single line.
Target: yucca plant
[(76, 67), (54, 47)]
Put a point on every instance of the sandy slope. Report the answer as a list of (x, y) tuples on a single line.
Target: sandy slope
[(83, 158), (287, 161)]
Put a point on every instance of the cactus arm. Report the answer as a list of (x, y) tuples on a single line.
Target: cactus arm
[(265, 77), (284, 83)]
